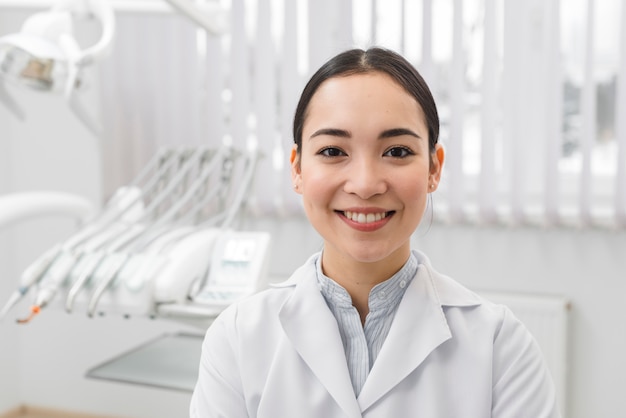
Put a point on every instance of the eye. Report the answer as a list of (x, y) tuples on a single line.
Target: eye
[(398, 152), (331, 152)]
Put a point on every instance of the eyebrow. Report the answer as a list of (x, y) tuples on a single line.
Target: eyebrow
[(390, 133), (342, 133), (331, 132)]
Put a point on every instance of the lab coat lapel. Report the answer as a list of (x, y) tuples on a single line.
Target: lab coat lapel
[(313, 331), (419, 327)]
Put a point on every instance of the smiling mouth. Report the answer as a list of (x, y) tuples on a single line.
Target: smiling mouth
[(365, 218)]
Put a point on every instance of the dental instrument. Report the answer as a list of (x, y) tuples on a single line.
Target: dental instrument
[(161, 223), (118, 233), (155, 248), (126, 205), (43, 270)]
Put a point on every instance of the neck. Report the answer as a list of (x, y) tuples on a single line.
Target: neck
[(358, 278)]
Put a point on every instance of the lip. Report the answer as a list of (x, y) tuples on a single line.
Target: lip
[(365, 227)]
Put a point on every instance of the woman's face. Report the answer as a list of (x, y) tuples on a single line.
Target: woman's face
[(364, 168)]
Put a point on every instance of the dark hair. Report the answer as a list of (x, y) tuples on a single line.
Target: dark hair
[(358, 61)]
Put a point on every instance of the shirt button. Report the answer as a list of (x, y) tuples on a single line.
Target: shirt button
[(402, 284), (382, 294)]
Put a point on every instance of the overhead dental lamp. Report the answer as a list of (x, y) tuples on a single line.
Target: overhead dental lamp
[(45, 55)]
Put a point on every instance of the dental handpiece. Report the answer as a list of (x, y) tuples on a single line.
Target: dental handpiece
[(93, 255), (113, 262), (35, 272), (96, 234), (13, 299), (31, 275), (112, 270), (90, 264), (54, 278)]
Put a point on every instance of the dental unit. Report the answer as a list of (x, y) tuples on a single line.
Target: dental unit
[(163, 245), (158, 245)]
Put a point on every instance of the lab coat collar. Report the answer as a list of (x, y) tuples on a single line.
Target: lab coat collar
[(313, 331), (446, 290), (419, 327)]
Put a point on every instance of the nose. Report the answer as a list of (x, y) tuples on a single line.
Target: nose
[(365, 178)]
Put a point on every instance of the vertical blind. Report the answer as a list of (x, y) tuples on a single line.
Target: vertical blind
[(529, 103)]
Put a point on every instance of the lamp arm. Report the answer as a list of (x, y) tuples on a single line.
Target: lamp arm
[(103, 11), (208, 17), (16, 207)]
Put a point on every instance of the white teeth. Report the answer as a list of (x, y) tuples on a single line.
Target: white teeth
[(363, 218)]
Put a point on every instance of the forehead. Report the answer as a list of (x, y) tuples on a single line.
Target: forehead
[(345, 98), (369, 81)]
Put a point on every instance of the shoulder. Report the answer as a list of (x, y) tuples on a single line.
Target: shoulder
[(488, 335), (477, 322), (457, 301), (448, 291), (266, 304)]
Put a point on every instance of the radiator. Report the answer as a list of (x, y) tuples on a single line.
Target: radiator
[(546, 317)]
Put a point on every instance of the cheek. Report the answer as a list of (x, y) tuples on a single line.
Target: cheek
[(415, 191), (416, 194), (316, 183)]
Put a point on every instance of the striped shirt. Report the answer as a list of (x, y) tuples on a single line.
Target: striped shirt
[(362, 343)]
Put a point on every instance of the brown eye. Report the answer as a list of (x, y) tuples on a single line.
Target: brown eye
[(332, 152), (398, 152)]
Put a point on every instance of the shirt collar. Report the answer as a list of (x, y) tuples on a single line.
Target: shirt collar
[(383, 296)]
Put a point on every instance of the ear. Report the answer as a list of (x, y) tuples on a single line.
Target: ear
[(437, 158), (296, 174)]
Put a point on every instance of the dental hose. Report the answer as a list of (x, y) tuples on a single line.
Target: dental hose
[(34, 310), (16, 297)]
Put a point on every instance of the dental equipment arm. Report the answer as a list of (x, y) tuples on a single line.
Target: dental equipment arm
[(125, 208), (117, 262), (98, 231), (29, 277), (16, 207), (243, 188), (66, 260)]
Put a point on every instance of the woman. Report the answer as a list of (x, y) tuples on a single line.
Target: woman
[(367, 328)]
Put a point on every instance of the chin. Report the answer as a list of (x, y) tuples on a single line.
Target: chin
[(370, 255)]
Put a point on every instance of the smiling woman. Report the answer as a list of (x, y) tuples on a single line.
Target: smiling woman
[(373, 161), (367, 327)]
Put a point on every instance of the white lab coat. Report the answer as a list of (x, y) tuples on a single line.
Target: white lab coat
[(448, 353)]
